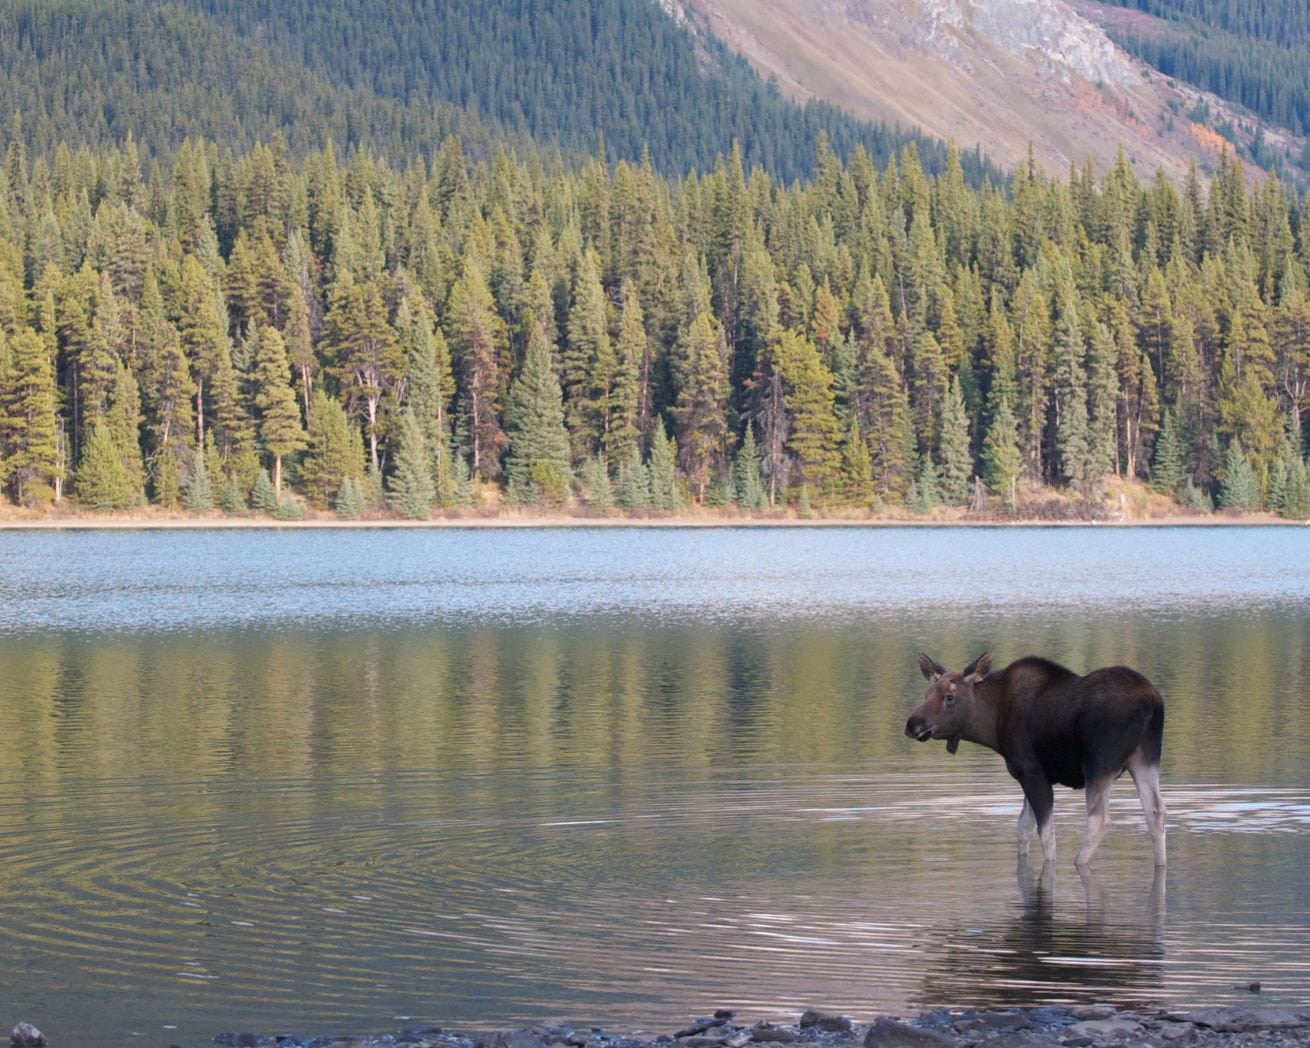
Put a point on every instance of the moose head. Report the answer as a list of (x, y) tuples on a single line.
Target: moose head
[(948, 703)]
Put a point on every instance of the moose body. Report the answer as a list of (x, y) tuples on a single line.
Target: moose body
[(1054, 727)]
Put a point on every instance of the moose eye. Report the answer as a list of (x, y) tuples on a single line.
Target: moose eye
[(949, 700)]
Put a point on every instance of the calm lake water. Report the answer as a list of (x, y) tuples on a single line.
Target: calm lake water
[(322, 780)]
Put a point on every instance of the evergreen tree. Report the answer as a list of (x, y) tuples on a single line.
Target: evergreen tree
[(411, 488), (1167, 466), (702, 401), (534, 419), (956, 460), (263, 496), (199, 488), (30, 461), (1238, 487), (335, 452), (597, 490), (101, 483), (663, 467), (1002, 459), (632, 490), (814, 439), (748, 481), (232, 500), (279, 424), (349, 503)]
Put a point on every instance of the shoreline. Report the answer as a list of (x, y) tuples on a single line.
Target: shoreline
[(1039, 1026), (177, 521)]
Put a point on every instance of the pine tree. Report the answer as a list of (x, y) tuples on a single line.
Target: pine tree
[(199, 489), (479, 341), (335, 452), (814, 438), (1294, 502), (534, 419), (279, 423), (30, 462), (956, 459), (1069, 392), (102, 483), (1002, 459), (702, 402), (411, 489)]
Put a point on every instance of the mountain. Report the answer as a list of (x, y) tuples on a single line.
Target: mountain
[(1007, 73), (399, 75)]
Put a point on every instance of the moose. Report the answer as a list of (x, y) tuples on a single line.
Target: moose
[(1053, 726)]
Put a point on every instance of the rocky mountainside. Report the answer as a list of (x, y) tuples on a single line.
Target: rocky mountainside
[(996, 73)]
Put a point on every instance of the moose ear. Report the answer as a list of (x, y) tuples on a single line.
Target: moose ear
[(930, 669), (977, 669)]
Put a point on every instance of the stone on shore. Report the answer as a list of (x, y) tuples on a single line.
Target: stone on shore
[(25, 1035)]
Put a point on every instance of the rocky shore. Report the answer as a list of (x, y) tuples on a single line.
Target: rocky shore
[(1049, 1026)]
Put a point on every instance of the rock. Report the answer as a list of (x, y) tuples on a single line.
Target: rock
[(1176, 1031), (25, 1035), (1243, 1020), (888, 1033), (1092, 1011), (514, 1039), (239, 1040), (1115, 1028), (768, 1033), (724, 1014), (826, 1021), (697, 1027)]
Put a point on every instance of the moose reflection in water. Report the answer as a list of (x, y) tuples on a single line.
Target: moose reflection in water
[(1053, 726), (1111, 952)]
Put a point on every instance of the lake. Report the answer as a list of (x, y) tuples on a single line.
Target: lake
[(323, 780)]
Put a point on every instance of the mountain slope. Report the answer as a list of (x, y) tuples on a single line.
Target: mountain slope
[(400, 74), (1003, 73)]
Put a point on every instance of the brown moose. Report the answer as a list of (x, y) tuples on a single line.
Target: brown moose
[(1053, 726)]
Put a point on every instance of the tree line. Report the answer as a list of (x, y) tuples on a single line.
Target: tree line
[(258, 330)]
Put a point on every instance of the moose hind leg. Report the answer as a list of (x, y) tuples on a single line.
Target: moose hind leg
[(1146, 777), (1098, 817)]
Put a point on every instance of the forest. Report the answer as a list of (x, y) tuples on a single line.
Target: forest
[(404, 74), (1252, 54), (259, 331)]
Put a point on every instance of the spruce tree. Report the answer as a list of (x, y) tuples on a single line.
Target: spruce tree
[(1002, 460), (30, 461), (663, 467), (199, 488), (1167, 465), (748, 481), (534, 421), (279, 423), (232, 500), (702, 401), (1238, 488), (102, 483), (411, 489), (263, 496), (349, 502), (956, 459), (632, 490), (335, 451), (597, 489)]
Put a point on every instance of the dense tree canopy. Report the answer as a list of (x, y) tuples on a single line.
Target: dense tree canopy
[(870, 337)]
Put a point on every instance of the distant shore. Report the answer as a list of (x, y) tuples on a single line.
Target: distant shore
[(16, 520)]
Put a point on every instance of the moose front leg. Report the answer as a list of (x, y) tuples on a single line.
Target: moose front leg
[(1035, 819)]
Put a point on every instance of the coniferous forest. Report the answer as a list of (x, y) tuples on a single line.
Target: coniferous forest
[(256, 331)]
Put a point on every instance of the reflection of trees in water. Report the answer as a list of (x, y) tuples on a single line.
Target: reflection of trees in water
[(1033, 955)]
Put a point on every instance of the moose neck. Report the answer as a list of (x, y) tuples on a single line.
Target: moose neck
[(984, 713)]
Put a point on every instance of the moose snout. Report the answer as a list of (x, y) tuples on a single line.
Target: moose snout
[(918, 728)]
